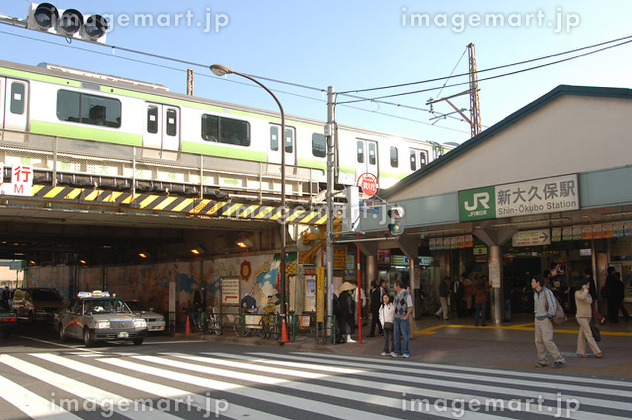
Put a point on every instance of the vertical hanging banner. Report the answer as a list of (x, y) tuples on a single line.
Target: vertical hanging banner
[(538, 196)]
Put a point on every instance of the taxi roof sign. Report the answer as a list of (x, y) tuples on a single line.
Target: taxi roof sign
[(94, 293)]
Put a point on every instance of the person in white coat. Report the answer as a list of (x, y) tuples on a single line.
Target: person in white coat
[(387, 315), (583, 301)]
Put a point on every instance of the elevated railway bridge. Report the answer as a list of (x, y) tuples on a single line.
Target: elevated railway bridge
[(108, 204)]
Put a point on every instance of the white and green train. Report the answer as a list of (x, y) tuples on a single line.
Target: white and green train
[(161, 126)]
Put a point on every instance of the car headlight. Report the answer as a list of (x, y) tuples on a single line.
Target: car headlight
[(102, 324), (140, 323)]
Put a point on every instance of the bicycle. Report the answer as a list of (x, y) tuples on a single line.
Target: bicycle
[(245, 324), (270, 322), (215, 321), (197, 320)]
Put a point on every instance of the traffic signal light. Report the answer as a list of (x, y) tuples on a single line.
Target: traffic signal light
[(396, 216), (68, 23)]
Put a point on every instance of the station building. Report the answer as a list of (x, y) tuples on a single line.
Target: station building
[(548, 187)]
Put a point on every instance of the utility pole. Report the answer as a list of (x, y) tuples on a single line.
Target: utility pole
[(190, 81), (330, 140), (475, 106)]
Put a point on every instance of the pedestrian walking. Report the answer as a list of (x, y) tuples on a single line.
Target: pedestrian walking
[(583, 302), (544, 310), (481, 298), (401, 321), (387, 317), (376, 303), (444, 294)]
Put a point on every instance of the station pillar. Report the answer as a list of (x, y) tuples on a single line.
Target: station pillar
[(494, 239)]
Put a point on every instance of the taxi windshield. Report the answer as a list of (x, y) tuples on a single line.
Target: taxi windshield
[(104, 306)]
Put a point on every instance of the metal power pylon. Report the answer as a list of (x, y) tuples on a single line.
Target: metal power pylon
[(475, 106)]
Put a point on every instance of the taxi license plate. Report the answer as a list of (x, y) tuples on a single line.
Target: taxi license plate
[(123, 334)]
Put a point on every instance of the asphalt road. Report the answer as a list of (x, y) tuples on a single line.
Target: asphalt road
[(455, 371)]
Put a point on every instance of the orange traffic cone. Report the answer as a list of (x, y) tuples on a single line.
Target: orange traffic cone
[(187, 327), (284, 336)]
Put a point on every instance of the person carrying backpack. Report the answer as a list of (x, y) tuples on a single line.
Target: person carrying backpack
[(544, 310)]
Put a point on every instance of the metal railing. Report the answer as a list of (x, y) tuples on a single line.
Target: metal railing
[(90, 164)]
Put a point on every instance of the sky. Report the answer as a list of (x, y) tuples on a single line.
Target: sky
[(298, 49)]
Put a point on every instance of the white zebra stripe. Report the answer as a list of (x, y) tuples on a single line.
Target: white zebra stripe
[(313, 405), (234, 411), (32, 404), (111, 401)]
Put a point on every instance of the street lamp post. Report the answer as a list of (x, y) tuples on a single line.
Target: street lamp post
[(220, 70)]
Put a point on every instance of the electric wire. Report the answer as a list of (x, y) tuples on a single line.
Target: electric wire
[(134, 60), (492, 77), (491, 68), (358, 99)]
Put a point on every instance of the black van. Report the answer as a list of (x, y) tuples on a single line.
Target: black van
[(37, 303)]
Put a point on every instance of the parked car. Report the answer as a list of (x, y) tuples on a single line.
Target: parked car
[(36, 303), (97, 316), (155, 321), (8, 321)]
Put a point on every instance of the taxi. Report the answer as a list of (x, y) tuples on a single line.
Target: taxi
[(97, 316)]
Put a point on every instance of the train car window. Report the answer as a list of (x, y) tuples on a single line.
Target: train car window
[(372, 154), (88, 109), (394, 158), (289, 140), (210, 128), (423, 158), (225, 130), (319, 145), (274, 138), (152, 119), (413, 160), (17, 98), (69, 106), (360, 156), (172, 122)]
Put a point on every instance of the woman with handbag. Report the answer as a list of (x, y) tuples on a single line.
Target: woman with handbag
[(583, 301), (387, 315)]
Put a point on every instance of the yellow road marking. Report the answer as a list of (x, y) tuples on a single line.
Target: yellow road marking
[(517, 327)]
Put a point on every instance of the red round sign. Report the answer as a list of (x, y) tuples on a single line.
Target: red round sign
[(369, 184)]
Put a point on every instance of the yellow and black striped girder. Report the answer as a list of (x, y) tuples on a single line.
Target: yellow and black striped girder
[(176, 204)]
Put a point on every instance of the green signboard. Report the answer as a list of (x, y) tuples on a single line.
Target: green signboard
[(478, 204), (537, 196)]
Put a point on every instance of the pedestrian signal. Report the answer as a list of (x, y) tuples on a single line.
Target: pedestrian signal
[(396, 217)]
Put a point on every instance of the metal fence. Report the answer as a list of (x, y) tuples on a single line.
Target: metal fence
[(91, 164)]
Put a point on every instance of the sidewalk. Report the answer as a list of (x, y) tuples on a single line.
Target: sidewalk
[(458, 342)]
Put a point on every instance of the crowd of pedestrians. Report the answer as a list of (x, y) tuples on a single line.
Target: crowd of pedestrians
[(391, 313)]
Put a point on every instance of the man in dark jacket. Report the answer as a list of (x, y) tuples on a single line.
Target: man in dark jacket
[(614, 295), (376, 301), (347, 315)]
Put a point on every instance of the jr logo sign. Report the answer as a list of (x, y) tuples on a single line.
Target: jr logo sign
[(477, 204)]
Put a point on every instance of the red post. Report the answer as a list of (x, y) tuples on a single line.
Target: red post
[(360, 292)]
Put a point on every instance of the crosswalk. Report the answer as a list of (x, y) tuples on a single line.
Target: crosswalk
[(258, 385)]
